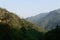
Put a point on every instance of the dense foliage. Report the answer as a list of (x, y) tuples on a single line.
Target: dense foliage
[(54, 34), (13, 27)]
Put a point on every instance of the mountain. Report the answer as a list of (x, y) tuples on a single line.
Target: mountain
[(36, 19), (49, 21), (13, 27)]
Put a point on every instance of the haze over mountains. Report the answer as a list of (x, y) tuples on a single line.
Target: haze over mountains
[(37, 18), (13, 27), (46, 21)]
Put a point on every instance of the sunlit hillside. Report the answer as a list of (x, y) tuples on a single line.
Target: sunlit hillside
[(13, 27)]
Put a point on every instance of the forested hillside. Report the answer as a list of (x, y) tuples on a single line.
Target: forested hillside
[(13, 27)]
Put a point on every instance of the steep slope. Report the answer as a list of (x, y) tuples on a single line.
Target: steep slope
[(49, 21), (14, 28), (36, 19)]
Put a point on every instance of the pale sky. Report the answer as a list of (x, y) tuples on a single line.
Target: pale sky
[(27, 8)]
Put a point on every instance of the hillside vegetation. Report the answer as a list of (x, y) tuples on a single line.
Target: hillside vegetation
[(13, 27)]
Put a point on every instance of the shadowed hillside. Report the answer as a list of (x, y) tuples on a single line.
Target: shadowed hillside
[(53, 34)]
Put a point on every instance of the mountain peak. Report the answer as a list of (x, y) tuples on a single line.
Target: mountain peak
[(49, 21), (13, 20), (57, 10), (14, 28)]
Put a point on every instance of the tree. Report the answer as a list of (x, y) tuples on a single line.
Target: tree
[(53, 34)]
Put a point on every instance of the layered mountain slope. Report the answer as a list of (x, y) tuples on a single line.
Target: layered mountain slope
[(49, 21), (14, 28), (36, 19)]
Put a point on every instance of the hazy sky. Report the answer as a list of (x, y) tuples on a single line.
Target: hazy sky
[(26, 8)]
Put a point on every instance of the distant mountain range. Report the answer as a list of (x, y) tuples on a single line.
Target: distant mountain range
[(37, 18), (47, 21)]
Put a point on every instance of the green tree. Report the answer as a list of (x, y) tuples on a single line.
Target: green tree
[(53, 34)]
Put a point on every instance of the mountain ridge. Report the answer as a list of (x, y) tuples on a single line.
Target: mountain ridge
[(49, 21), (13, 27)]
